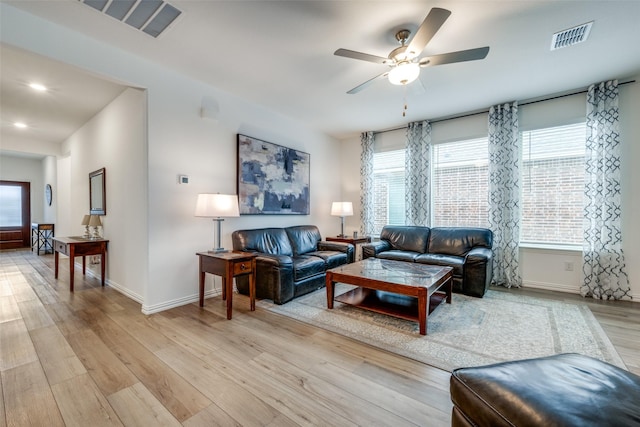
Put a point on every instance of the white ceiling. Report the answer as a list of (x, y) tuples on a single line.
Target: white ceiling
[(54, 115), (279, 54)]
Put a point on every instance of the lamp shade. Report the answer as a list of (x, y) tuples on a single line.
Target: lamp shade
[(85, 220), (404, 73), (342, 209), (94, 221), (217, 205)]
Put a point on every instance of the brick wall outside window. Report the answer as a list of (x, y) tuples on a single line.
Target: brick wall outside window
[(552, 192)]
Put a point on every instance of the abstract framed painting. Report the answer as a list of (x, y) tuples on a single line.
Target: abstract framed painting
[(272, 179)]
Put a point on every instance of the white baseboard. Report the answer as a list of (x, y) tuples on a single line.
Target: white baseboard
[(150, 309), (559, 287), (124, 291)]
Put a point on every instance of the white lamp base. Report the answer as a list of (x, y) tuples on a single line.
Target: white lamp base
[(219, 248)]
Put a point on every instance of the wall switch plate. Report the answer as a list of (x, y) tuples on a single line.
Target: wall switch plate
[(183, 179)]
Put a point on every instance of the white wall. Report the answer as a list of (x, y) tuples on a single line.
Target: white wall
[(179, 141), (541, 268), (49, 173), (26, 170), (630, 134), (115, 139)]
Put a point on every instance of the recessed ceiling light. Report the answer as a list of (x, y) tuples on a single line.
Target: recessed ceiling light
[(38, 87), (20, 125)]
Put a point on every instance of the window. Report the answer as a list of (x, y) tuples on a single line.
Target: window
[(388, 188), (10, 206), (459, 182), (553, 185)]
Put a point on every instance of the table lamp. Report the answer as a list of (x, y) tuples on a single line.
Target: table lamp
[(85, 222), (342, 209), (217, 206), (94, 221)]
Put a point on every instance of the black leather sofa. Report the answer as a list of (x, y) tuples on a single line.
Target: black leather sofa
[(291, 261), (561, 390), (466, 250)]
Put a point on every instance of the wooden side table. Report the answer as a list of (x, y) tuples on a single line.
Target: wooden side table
[(79, 246), (41, 235), (355, 241), (228, 265)]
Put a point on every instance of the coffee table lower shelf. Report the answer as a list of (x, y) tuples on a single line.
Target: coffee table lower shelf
[(401, 306)]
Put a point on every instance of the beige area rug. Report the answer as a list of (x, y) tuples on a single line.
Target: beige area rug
[(469, 332)]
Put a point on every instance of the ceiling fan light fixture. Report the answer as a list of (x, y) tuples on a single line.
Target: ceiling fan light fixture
[(404, 73)]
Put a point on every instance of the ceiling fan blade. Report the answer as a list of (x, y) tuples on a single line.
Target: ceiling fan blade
[(452, 57), (367, 83), (362, 56), (427, 30)]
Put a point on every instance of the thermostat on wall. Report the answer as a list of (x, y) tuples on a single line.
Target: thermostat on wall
[(183, 179)]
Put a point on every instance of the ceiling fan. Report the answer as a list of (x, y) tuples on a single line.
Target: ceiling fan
[(404, 62)]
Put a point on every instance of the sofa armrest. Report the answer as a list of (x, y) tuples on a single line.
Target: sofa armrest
[(370, 250), (478, 271), (346, 248)]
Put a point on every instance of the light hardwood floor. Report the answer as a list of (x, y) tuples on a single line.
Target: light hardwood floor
[(91, 358)]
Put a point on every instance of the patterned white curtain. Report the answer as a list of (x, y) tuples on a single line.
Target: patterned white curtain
[(504, 193), (418, 173), (367, 213), (603, 264)]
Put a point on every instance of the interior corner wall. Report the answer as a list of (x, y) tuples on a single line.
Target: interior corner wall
[(180, 142), (630, 137)]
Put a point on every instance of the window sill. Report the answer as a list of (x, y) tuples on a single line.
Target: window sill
[(551, 247)]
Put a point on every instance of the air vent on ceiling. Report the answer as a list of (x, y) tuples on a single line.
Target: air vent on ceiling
[(571, 36), (149, 16)]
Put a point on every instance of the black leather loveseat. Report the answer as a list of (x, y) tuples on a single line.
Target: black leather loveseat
[(291, 261), (466, 250)]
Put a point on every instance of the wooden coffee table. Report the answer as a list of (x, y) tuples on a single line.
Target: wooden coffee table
[(383, 283)]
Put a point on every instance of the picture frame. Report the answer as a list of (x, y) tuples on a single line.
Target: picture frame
[(98, 192), (272, 179)]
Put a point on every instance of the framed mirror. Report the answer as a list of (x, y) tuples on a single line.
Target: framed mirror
[(97, 192)]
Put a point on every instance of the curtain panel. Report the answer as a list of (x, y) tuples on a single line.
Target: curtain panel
[(504, 193), (418, 174), (367, 212), (603, 263)]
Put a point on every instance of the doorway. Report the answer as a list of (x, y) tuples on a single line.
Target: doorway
[(15, 214)]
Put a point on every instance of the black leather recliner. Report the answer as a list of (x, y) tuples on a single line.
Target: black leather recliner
[(291, 261), (466, 250)]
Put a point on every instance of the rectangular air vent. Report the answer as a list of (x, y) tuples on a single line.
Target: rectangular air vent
[(571, 36), (150, 16)]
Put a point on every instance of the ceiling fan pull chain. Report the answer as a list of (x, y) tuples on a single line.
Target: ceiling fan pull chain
[(404, 100)]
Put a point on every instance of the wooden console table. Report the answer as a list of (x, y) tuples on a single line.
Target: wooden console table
[(79, 246), (228, 265)]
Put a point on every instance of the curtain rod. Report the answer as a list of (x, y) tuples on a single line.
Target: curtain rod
[(485, 110)]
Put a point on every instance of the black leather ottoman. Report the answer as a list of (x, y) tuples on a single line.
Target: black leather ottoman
[(561, 390)]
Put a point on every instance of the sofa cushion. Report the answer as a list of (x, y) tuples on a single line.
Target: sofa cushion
[(272, 241), (458, 241), (306, 266), (303, 238), (406, 238), (331, 258), (398, 255), (455, 262)]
